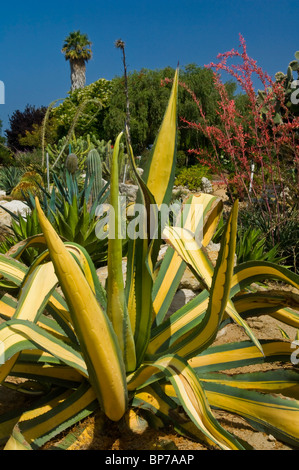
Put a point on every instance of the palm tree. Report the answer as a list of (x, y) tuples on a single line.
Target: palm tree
[(76, 49)]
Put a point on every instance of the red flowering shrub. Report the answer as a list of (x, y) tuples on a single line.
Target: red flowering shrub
[(251, 138)]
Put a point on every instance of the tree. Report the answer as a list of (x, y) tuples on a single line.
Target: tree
[(84, 110), (76, 49), (22, 122), (5, 153), (148, 100)]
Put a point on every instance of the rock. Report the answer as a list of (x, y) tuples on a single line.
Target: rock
[(103, 272), (14, 206), (133, 423), (164, 444), (206, 185), (2, 193), (181, 298), (129, 191), (162, 252), (189, 281), (213, 250), (17, 207), (180, 192)]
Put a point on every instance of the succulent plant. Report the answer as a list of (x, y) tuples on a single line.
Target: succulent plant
[(94, 170), (71, 163)]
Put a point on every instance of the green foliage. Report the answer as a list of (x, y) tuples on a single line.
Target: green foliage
[(93, 99), (256, 239), (29, 161), (77, 47), (279, 233), (148, 100), (251, 245), (191, 177), (9, 178), (22, 229), (58, 152), (181, 160), (76, 224), (282, 106), (67, 208)]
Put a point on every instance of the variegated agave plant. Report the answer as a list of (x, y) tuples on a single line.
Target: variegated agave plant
[(118, 350)]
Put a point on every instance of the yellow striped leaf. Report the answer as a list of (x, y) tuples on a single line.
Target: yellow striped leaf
[(191, 396), (160, 172), (97, 338)]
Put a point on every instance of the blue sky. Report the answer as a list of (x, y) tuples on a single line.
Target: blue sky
[(156, 33)]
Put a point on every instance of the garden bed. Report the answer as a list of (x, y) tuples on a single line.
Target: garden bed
[(97, 433)]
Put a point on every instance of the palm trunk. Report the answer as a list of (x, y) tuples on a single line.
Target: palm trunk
[(78, 78)]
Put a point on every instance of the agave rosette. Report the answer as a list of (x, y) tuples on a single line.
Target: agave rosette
[(116, 348)]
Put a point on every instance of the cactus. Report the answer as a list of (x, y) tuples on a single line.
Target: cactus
[(94, 168), (80, 146), (71, 163), (290, 84)]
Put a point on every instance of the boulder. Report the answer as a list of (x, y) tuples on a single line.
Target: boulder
[(181, 298), (129, 191), (206, 185), (14, 206)]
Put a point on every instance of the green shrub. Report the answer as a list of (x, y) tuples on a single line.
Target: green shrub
[(9, 178), (191, 177), (280, 231)]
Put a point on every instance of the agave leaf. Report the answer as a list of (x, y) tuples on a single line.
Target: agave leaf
[(231, 355), (93, 328), (178, 325), (199, 215), (52, 374), (165, 410), (8, 307), (18, 249), (53, 415), (155, 189), (186, 246), (12, 270), (116, 302), (253, 271), (284, 381), (35, 292), (272, 303), (19, 335), (268, 413), (160, 171), (191, 396), (139, 277), (33, 297)]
